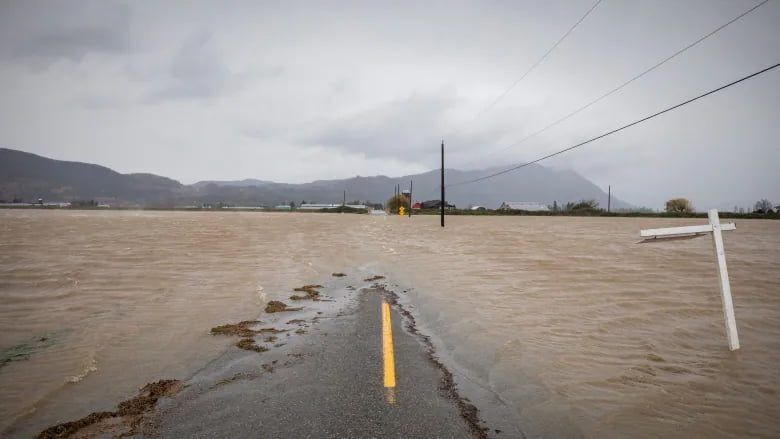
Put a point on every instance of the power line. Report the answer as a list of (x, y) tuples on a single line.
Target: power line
[(621, 86), (527, 72), (723, 87), (533, 67), (614, 90)]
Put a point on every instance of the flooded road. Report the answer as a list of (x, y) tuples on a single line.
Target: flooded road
[(124, 298), (582, 331), (566, 321)]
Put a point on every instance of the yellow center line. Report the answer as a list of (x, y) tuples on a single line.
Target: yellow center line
[(387, 347)]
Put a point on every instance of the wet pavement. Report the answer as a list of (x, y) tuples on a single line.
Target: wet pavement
[(326, 383)]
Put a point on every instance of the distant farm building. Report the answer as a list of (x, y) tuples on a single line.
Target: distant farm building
[(435, 204), (528, 206), (478, 208)]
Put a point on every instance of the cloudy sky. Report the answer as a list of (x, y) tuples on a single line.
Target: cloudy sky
[(296, 91)]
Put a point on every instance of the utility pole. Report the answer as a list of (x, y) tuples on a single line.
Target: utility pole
[(344, 203), (609, 198), (442, 183), (411, 189)]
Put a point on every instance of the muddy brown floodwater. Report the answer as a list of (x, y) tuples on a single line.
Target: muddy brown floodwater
[(568, 325)]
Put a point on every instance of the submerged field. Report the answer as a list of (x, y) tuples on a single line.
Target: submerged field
[(564, 321)]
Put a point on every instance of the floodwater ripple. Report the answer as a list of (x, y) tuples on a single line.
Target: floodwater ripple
[(574, 328)]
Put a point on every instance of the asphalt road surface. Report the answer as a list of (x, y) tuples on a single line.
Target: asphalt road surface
[(330, 382)]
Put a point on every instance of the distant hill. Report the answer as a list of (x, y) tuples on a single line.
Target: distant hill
[(237, 183), (29, 176)]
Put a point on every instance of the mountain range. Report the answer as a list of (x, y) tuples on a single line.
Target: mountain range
[(26, 176)]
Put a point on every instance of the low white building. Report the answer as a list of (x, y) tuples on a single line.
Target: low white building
[(528, 206)]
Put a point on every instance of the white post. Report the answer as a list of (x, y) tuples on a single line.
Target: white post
[(725, 287)]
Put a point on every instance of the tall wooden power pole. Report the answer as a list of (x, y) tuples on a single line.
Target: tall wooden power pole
[(609, 198), (411, 189), (442, 183)]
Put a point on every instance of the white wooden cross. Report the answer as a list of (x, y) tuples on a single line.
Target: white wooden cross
[(714, 227)]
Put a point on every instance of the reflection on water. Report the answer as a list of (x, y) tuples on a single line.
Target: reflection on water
[(568, 321)]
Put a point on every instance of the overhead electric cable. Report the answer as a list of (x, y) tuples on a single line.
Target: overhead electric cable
[(621, 86), (533, 67), (516, 167), (503, 94)]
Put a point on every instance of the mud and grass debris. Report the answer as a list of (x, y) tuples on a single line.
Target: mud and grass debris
[(310, 290), (241, 329), (234, 378), (373, 278), (244, 330), (68, 428), (248, 344), (277, 306), (149, 396), (300, 331), (270, 339), (338, 274), (271, 330), (297, 322), (131, 410), (268, 368)]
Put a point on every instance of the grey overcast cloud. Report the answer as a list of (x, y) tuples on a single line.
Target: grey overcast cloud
[(300, 91)]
